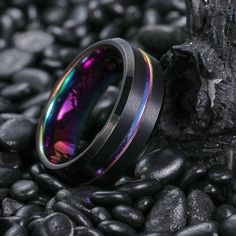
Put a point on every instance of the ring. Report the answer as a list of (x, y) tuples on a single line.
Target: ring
[(128, 127)]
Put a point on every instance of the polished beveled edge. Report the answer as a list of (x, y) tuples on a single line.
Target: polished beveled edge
[(128, 63)]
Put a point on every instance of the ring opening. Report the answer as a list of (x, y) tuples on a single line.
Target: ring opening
[(73, 108)]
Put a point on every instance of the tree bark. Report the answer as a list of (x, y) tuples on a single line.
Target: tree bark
[(199, 114)]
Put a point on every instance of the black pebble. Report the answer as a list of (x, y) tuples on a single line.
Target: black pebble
[(123, 180), (111, 30), (8, 176), (3, 193), (162, 164), (38, 79), (201, 207), (36, 169), (144, 204), (49, 183), (7, 222), (223, 212), (32, 112), (110, 198), (27, 211), (128, 215), (10, 159), (23, 190), (228, 227), (86, 231), (192, 174), (16, 230), (36, 100), (98, 214), (16, 134), (151, 17), (220, 174), (55, 224), (163, 215), (54, 15), (208, 228), (12, 61), (117, 228), (132, 16), (76, 215), (17, 91), (10, 206), (33, 41), (140, 188), (78, 196)]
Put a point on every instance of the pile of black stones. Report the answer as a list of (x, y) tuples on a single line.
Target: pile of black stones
[(162, 194)]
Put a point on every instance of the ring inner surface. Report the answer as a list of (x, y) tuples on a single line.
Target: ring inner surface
[(73, 99)]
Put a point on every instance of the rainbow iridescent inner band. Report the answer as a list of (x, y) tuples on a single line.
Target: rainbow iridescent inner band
[(136, 123), (72, 100)]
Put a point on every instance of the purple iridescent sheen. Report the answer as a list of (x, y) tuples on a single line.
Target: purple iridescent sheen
[(72, 100)]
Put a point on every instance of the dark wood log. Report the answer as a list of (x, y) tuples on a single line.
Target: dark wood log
[(199, 114)]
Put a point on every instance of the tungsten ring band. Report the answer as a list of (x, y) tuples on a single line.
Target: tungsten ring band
[(128, 126)]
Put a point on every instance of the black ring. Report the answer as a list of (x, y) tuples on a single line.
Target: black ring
[(128, 127)]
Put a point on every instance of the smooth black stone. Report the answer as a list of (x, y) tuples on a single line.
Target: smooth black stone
[(163, 215), (10, 160), (132, 16), (140, 188), (80, 14), (37, 100), (38, 79), (220, 174), (166, 6), (3, 44), (160, 38), (8, 116), (87, 40), (8, 176), (68, 54), (10, 206), (171, 17), (40, 200), (16, 230), (32, 112), (211, 190), (128, 215), (20, 3), (98, 17), (228, 227), (99, 214), (49, 206), (55, 224), (7, 222), (144, 204), (23, 190), (33, 41), (49, 183), (117, 228), (157, 234), (63, 35), (52, 52), (17, 16), (51, 65), (54, 15), (201, 207), (17, 91), (103, 108), (110, 198), (223, 212), (162, 164), (16, 134), (76, 215), (31, 226), (203, 229), (36, 169), (78, 196), (6, 105), (151, 17), (7, 27), (81, 32), (27, 211), (3, 193), (192, 174), (86, 231), (114, 8), (111, 30), (123, 180)]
